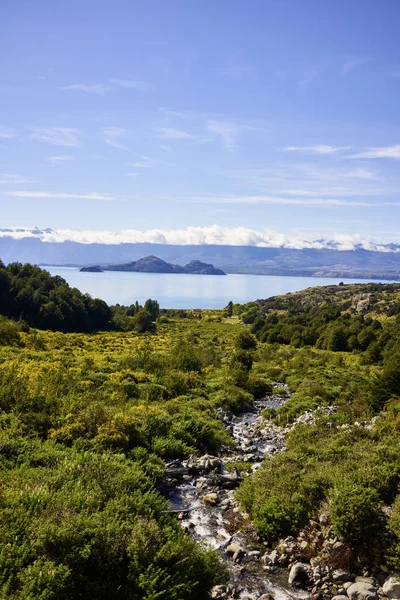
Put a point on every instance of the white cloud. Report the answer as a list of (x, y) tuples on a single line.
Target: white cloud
[(175, 114), (12, 178), (170, 133), (7, 134), (317, 149), (213, 235), (314, 180), (361, 174), (379, 152), (144, 163), (112, 136), (133, 84), (353, 63), (89, 88), (309, 76), (56, 195), (228, 131), (166, 148), (58, 136), (305, 200), (60, 159)]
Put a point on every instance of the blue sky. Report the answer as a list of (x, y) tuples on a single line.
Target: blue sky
[(167, 114)]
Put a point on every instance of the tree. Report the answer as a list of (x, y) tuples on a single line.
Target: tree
[(143, 322), (245, 341), (152, 307)]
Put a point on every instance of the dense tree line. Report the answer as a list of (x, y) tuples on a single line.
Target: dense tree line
[(322, 326), (31, 294), (33, 297)]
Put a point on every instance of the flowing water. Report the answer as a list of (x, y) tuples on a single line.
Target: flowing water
[(201, 492)]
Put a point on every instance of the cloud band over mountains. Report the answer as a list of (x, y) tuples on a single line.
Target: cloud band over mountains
[(197, 236)]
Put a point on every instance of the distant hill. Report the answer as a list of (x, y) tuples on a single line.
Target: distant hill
[(313, 262), (152, 264), (94, 269)]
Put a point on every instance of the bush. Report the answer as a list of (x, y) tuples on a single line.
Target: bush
[(393, 556), (9, 333), (355, 512), (233, 399), (258, 386), (245, 341)]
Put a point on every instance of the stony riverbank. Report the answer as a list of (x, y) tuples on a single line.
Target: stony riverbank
[(315, 563)]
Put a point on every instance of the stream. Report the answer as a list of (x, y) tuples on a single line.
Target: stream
[(201, 492)]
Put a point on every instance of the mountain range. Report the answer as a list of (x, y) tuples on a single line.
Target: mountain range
[(382, 263)]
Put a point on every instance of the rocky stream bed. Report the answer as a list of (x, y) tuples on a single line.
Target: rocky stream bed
[(201, 493)]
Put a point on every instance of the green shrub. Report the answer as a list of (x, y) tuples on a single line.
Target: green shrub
[(9, 333), (245, 341), (393, 555), (258, 386), (355, 512), (233, 399)]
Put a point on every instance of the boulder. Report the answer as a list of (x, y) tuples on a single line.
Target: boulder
[(340, 597), (391, 587), (233, 548), (210, 499), (238, 555), (298, 575), (364, 579), (362, 591), (219, 592), (341, 575)]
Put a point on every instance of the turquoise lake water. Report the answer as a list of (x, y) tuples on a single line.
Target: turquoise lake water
[(185, 291)]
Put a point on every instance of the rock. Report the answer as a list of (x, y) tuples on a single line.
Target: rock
[(274, 556), (254, 553), (365, 579), (362, 591), (210, 499), (219, 592), (339, 597), (283, 561), (298, 575), (201, 483), (238, 555), (233, 548), (341, 575), (266, 597), (266, 559), (391, 587), (303, 545)]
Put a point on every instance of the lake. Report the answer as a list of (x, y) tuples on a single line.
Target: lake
[(185, 291)]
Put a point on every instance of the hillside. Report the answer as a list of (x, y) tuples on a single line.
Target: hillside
[(326, 262)]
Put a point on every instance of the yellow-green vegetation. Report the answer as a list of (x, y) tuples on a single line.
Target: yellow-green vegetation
[(87, 421), (343, 352)]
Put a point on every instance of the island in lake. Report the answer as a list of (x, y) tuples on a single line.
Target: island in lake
[(152, 264), (94, 269)]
